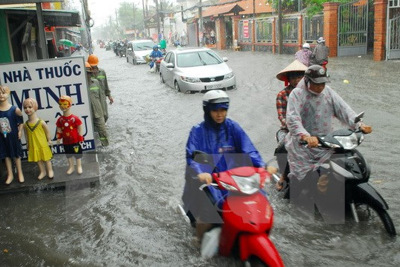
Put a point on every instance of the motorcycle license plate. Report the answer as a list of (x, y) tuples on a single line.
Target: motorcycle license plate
[(214, 86)]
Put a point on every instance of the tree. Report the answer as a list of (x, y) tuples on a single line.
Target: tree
[(130, 16)]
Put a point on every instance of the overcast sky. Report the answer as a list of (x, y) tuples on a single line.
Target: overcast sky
[(101, 10)]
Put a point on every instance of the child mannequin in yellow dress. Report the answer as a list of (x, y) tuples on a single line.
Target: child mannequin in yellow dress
[(38, 140), (11, 124)]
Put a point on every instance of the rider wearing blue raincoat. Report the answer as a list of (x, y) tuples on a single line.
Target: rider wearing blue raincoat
[(154, 54), (229, 146)]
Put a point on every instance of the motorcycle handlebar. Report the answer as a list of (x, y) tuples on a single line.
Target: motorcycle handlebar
[(201, 188)]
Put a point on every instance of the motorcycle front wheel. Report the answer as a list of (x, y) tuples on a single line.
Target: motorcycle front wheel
[(364, 211), (254, 261)]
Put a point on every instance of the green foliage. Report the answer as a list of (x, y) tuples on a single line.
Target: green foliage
[(130, 16), (313, 6)]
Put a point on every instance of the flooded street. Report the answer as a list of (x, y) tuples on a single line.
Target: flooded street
[(131, 218)]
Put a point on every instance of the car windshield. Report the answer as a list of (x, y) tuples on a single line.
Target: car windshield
[(143, 46), (198, 58)]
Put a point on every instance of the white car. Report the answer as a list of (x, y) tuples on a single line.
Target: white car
[(196, 70), (136, 51)]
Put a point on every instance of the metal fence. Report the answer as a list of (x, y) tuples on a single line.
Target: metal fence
[(353, 28), (290, 30), (264, 37), (313, 28), (393, 30), (264, 30)]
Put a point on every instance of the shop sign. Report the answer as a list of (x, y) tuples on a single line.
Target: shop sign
[(246, 29), (46, 81)]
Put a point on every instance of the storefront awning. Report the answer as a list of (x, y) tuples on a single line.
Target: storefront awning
[(51, 18), (223, 9)]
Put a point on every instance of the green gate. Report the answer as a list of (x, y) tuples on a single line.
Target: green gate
[(353, 28)]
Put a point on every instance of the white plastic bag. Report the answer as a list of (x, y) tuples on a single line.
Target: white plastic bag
[(210, 243)]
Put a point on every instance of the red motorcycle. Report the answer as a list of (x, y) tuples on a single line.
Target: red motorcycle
[(157, 61), (247, 216)]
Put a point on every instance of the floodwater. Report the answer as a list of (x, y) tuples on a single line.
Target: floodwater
[(131, 218)]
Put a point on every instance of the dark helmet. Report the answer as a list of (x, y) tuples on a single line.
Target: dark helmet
[(155, 47), (316, 74)]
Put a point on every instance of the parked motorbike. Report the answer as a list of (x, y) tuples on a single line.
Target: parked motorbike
[(246, 213), (348, 166)]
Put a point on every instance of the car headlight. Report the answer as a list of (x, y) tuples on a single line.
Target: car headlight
[(248, 184), (228, 76), (348, 142), (190, 79)]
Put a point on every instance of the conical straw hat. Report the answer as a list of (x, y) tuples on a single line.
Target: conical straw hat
[(294, 66)]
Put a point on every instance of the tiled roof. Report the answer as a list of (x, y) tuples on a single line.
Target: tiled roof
[(246, 5)]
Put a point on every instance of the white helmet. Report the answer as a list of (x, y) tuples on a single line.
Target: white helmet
[(306, 45), (215, 97), (321, 40)]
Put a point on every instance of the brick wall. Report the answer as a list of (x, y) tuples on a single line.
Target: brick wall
[(331, 27), (380, 7)]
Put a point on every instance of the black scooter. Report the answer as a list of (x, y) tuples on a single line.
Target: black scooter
[(347, 167)]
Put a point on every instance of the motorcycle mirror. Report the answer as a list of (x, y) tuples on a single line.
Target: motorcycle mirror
[(359, 117)]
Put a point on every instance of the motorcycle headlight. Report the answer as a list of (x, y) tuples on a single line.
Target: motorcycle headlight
[(190, 79), (228, 187), (248, 184), (348, 142), (228, 76)]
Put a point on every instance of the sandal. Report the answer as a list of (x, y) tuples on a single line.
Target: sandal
[(279, 186)]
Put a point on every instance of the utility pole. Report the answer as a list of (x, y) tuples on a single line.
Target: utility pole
[(253, 27), (200, 36), (87, 19), (158, 20), (162, 17), (144, 19), (134, 18), (42, 34), (280, 31)]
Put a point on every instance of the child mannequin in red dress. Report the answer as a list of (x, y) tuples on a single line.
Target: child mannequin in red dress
[(70, 130)]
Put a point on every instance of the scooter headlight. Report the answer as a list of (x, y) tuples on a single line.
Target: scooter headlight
[(348, 142), (248, 184), (228, 187)]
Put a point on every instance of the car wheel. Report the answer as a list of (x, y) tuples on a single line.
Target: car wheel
[(176, 85)]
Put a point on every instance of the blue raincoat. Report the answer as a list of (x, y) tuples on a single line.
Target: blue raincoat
[(230, 147)]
